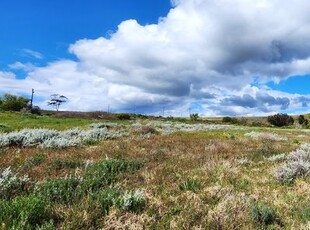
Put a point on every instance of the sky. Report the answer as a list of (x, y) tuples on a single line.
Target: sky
[(159, 57)]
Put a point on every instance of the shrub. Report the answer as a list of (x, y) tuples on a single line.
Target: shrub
[(194, 116), (63, 190), (280, 120), (24, 213), (302, 120), (13, 103), (59, 143), (263, 215), (291, 170), (104, 200), (35, 160), (107, 171), (278, 157), (66, 163), (232, 120), (134, 201), (123, 116), (11, 184), (298, 164)]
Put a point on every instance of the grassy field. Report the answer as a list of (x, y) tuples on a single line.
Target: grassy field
[(152, 175)]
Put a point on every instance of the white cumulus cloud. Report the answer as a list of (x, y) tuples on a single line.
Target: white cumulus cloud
[(204, 53)]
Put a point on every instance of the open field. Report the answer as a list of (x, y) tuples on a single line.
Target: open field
[(146, 174)]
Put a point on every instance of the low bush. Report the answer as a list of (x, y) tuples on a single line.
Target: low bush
[(232, 120), (104, 200), (302, 120), (35, 160), (30, 212), (106, 172), (263, 215), (66, 163), (123, 116), (194, 117), (133, 201), (63, 190), (291, 170), (11, 184), (297, 165)]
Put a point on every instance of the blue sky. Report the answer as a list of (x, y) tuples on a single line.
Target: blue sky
[(49, 27), (213, 57)]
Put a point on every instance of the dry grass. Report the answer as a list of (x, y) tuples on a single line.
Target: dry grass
[(191, 180)]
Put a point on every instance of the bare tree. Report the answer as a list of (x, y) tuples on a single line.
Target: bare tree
[(57, 100)]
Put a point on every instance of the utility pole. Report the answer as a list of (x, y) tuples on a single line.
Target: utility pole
[(31, 101), (163, 111), (108, 108)]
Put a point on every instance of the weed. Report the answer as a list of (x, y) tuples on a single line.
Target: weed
[(11, 184), (66, 163), (34, 161), (263, 215), (104, 200), (63, 190), (191, 185), (106, 172), (133, 201), (25, 213)]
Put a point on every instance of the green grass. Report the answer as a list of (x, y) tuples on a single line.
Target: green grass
[(11, 121)]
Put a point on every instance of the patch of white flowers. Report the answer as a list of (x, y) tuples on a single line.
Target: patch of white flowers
[(266, 136), (297, 164), (46, 138)]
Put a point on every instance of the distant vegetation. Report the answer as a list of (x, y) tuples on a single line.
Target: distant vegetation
[(280, 120), (9, 102)]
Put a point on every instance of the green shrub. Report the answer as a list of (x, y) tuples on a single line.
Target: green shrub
[(24, 213), (11, 184), (302, 120), (263, 215), (106, 172), (232, 120), (63, 190), (66, 163), (13, 103), (133, 201), (123, 116), (280, 120), (35, 160), (104, 200), (194, 116)]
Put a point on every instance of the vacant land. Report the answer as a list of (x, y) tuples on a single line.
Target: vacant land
[(76, 173)]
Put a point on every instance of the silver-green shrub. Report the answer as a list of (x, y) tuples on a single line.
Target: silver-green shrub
[(278, 157), (11, 183), (133, 200), (60, 143), (46, 138), (297, 164)]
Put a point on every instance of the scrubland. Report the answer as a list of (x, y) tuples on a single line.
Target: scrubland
[(76, 173)]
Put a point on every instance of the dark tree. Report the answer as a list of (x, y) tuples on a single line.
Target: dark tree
[(302, 120), (57, 100), (280, 120), (12, 102)]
